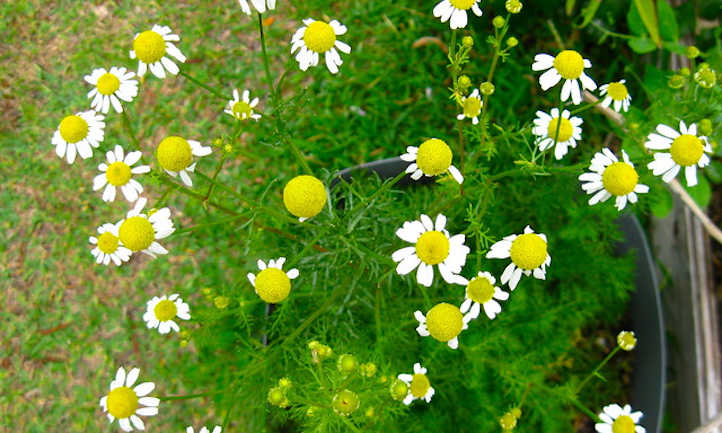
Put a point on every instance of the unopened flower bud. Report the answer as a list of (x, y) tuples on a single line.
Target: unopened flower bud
[(487, 88), (511, 42), (467, 41), (513, 6), (345, 402), (626, 340), (498, 22)]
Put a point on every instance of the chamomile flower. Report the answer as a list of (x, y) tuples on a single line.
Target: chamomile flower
[(528, 253), (686, 149), (444, 322), (433, 246), (454, 11), (471, 106), (568, 65), (175, 154), (430, 159), (616, 92), (110, 87), (108, 247), (304, 196), (127, 403), (545, 128), (242, 109), (160, 312), (316, 38), (481, 291), (261, 6), (418, 384), (78, 134), (154, 49), (272, 284), (610, 177), (117, 172), (617, 419), (140, 231)]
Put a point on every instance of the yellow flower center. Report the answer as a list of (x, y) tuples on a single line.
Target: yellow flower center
[(273, 285), (480, 290), (108, 84), (617, 91), (472, 107), (686, 150), (619, 178), (122, 402), (623, 424), (118, 173), (304, 196), (319, 37), (107, 243), (240, 108), (569, 64), (149, 47), (345, 402), (432, 247), (626, 340), (174, 153), (136, 233), (419, 385), (433, 157), (73, 128), (444, 321), (528, 251), (165, 310), (565, 129), (462, 4)]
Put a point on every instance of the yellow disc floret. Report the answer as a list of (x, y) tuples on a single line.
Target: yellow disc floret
[(419, 385), (319, 37), (462, 4), (623, 424), (566, 130), (345, 402), (480, 290), (272, 285), (122, 402), (242, 109), (444, 321), (165, 310), (136, 233), (569, 64), (174, 153), (108, 84), (472, 107), (433, 157), (107, 243), (620, 178), (73, 129), (149, 47), (304, 196), (432, 247), (528, 251), (686, 150), (118, 173), (617, 91)]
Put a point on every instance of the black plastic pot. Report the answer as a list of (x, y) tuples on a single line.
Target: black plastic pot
[(650, 366)]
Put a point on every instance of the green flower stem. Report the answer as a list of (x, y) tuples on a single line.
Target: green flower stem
[(494, 62), (595, 372), (215, 175), (204, 86), (188, 396), (200, 226), (276, 115), (582, 408), (161, 200), (129, 129), (350, 424), (586, 107)]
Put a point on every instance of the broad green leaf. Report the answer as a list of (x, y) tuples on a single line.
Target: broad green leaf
[(662, 202), (668, 27), (714, 172), (634, 21), (590, 11), (701, 193), (649, 18), (642, 45)]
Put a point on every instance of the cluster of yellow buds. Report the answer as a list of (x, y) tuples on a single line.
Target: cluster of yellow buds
[(368, 370), (277, 396), (509, 419), (319, 351)]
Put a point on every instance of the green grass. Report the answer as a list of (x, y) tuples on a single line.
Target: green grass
[(68, 324)]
